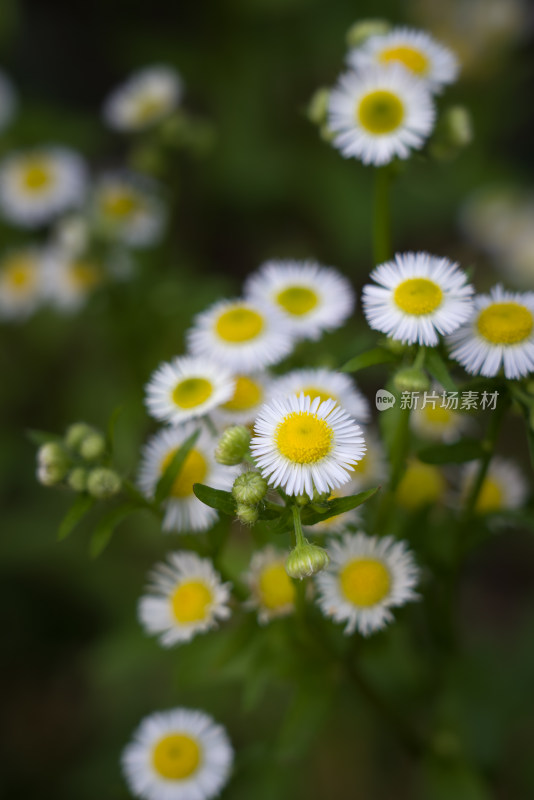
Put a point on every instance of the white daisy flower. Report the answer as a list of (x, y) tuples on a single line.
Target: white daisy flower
[(185, 597), (8, 101), (366, 577), (436, 421), (242, 335), (311, 297), (499, 334), (422, 485), (272, 590), (250, 392), (371, 469), (21, 282), (183, 511), (37, 185), (302, 444), (147, 97), (327, 385), (128, 208), (504, 487), (186, 388), (415, 50), (380, 113), (179, 754), (418, 297), (70, 280)]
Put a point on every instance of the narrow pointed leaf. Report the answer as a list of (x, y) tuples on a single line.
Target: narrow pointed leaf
[(166, 481), (369, 359), (42, 437), (215, 498), (438, 369), (106, 525), (75, 514), (338, 506)]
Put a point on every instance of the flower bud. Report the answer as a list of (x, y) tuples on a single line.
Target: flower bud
[(302, 499), (103, 483), (92, 447), (233, 445), (453, 132), (249, 488), (76, 434), (360, 31), (411, 379), (246, 514), (52, 454), (51, 474), (77, 479), (318, 106), (305, 560)]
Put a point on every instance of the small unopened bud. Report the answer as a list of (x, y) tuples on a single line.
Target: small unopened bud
[(306, 560), (246, 514), (76, 434), (103, 483), (52, 454), (459, 125), (326, 134), (302, 499), (411, 379), (233, 445), (360, 31), (77, 479), (92, 447), (318, 106), (249, 488), (51, 474)]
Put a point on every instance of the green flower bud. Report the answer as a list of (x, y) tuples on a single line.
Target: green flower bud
[(103, 483), (302, 499), (318, 106), (248, 515), (306, 560), (360, 31), (249, 488), (92, 447), (52, 454), (77, 479), (326, 134), (411, 379), (51, 474), (233, 445), (454, 131), (76, 434)]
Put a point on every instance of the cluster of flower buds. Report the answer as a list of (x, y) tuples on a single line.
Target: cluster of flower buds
[(233, 446), (248, 490)]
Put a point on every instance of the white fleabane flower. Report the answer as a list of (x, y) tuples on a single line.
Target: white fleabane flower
[(436, 421), (186, 596), (415, 50), (380, 113), (504, 487), (242, 335), (187, 387), (128, 208), (499, 334), (179, 754), (302, 444), (37, 185), (147, 97), (371, 470), (250, 392), (8, 101), (183, 511), (418, 296), (312, 298), (69, 280), (272, 590), (366, 578), (21, 282), (327, 385)]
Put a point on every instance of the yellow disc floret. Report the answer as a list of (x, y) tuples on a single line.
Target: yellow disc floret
[(275, 587), (412, 59), (421, 485), (297, 300), (176, 756), (304, 438), (490, 497), (239, 324), (505, 323), (438, 416), (19, 273), (365, 582), (192, 392), (191, 602), (37, 176), (247, 394), (84, 274), (314, 391), (194, 470), (121, 203), (380, 112), (418, 296)]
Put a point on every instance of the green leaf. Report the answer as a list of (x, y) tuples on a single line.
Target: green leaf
[(74, 515), (283, 524), (456, 453), (107, 524), (166, 481), (215, 498), (110, 436), (338, 506), (438, 369), (42, 437), (369, 358)]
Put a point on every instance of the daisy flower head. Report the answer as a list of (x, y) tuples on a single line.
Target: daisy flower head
[(438, 422), (70, 280), (21, 282), (366, 578), (183, 511), (272, 590), (422, 485), (187, 387), (380, 113), (242, 335), (147, 97), (417, 297), (186, 596), (414, 50), (8, 101), (181, 754), (304, 445), (327, 385), (504, 487), (128, 208), (37, 185), (250, 392), (499, 335), (312, 298)]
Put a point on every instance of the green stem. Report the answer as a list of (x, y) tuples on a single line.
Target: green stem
[(382, 216), (300, 541)]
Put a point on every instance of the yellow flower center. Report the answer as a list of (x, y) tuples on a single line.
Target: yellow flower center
[(380, 112), (19, 273), (192, 392), (365, 581), (412, 59), (418, 296), (176, 756), (304, 438), (191, 601), (247, 394), (297, 300), (239, 324), (84, 275), (421, 485), (120, 203), (439, 416), (194, 470), (490, 497), (149, 107), (361, 466), (313, 391), (276, 587), (505, 323), (37, 176)]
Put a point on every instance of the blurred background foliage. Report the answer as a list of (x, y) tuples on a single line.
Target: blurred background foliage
[(77, 673)]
